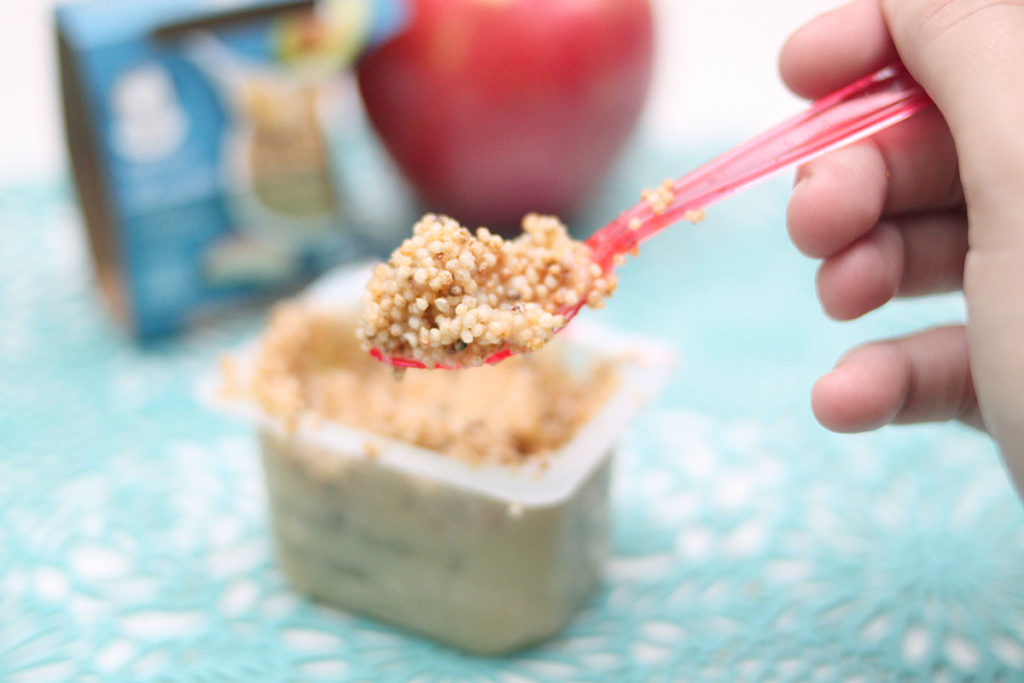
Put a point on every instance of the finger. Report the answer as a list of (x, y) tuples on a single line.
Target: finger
[(906, 257), (924, 377), (835, 49), (968, 56), (836, 200), (842, 195)]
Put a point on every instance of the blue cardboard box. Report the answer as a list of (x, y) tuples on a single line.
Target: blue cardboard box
[(218, 148)]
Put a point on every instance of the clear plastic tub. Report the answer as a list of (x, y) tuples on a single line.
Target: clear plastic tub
[(488, 558)]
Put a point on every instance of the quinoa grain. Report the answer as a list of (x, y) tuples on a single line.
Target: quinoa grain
[(661, 197), (693, 215), (466, 297)]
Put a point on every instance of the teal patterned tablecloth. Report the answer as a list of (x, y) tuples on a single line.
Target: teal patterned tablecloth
[(749, 543)]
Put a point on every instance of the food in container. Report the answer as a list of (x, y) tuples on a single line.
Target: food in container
[(470, 506)]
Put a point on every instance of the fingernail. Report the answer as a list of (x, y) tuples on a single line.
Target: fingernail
[(801, 176)]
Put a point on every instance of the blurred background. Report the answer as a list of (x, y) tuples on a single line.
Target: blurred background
[(221, 152), (709, 68), (748, 543)]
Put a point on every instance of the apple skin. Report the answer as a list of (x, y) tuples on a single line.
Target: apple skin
[(495, 108)]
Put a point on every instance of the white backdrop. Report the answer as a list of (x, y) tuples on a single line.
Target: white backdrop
[(715, 58)]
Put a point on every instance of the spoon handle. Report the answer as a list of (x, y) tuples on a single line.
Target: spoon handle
[(852, 113)]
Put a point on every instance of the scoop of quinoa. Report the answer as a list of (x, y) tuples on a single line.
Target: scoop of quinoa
[(449, 297)]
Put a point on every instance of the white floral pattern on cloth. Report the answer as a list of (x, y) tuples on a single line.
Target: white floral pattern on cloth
[(748, 543)]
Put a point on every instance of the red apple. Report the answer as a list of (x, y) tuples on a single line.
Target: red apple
[(494, 108)]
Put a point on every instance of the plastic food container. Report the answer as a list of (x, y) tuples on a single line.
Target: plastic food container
[(487, 558)]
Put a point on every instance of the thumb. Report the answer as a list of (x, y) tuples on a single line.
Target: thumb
[(969, 56)]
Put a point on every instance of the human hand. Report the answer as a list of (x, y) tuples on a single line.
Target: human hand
[(933, 204)]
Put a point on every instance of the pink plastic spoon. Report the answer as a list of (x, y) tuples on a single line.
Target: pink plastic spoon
[(852, 113)]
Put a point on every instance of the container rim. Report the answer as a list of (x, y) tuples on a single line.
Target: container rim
[(642, 363)]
